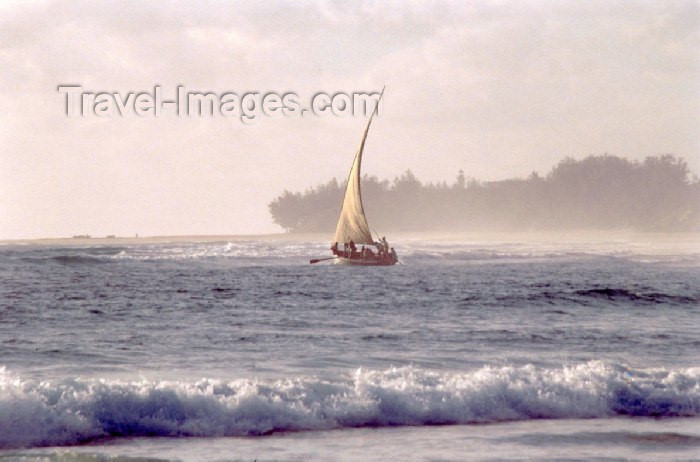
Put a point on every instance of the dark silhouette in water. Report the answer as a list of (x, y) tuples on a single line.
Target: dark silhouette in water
[(598, 192)]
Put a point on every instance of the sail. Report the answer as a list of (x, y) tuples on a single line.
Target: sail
[(352, 224)]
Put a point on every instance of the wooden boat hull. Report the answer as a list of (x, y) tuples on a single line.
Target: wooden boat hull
[(363, 261)]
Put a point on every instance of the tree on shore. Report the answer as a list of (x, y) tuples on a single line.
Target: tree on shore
[(598, 192)]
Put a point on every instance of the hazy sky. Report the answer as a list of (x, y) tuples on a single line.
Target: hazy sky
[(498, 89)]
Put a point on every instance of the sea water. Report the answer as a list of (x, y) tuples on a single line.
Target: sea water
[(241, 350)]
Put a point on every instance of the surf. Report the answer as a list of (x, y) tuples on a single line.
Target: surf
[(77, 410)]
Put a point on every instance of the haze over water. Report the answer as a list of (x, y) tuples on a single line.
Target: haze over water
[(564, 349)]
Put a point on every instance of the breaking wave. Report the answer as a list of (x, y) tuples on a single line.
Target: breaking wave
[(621, 294), (74, 411), (77, 259)]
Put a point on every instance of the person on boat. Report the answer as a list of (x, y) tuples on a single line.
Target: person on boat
[(393, 255), (353, 247), (334, 248), (380, 248), (385, 244)]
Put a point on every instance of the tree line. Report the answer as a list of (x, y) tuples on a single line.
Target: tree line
[(598, 192)]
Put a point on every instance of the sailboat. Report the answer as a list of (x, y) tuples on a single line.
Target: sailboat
[(353, 232)]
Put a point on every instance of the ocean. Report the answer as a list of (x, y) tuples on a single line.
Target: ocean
[(241, 350)]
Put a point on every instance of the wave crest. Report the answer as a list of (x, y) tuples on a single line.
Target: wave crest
[(42, 413)]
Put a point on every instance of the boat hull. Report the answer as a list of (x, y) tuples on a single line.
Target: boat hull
[(363, 261)]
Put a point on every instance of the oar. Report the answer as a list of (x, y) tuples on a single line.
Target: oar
[(316, 260)]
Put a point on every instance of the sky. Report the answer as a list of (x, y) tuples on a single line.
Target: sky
[(498, 89)]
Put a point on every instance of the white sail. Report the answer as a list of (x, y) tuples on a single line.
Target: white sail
[(352, 224)]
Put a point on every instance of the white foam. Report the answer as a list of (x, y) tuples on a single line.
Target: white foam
[(244, 249), (70, 411)]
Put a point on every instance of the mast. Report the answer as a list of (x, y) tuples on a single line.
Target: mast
[(352, 223)]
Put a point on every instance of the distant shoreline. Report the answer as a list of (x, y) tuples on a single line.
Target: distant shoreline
[(81, 241), (481, 236)]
